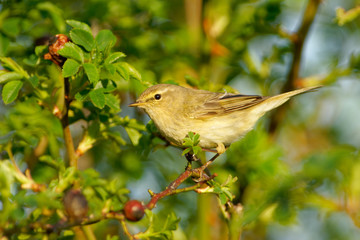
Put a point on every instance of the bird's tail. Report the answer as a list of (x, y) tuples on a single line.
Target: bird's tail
[(277, 100)]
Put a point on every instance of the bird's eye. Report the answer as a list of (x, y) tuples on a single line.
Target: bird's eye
[(157, 96)]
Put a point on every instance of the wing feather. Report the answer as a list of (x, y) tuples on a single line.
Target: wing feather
[(221, 104)]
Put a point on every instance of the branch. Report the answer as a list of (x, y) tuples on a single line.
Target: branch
[(298, 40), (172, 188), (27, 182), (66, 128), (64, 224), (54, 56)]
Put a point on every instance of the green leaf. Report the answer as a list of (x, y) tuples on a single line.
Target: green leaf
[(114, 56), (11, 26), (56, 14), (159, 229), (82, 95), (186, 151), (196, 139), (70, 68), (4, 44), (7, 137), (134, 135), (79, 25), (107, 85), (82, 38), (129, 70), (223, 198), (112, 102), (34, 80), (110, 68), (191, 135), (41, 50), (123, 71), (196, 149), (105, 39), (91, 72), (70, 50), (6, 76), (97, 97), (11, 91), (10, 64)]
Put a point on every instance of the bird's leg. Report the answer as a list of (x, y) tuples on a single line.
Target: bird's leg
[(199, 174), (209, 150), (220, 148)]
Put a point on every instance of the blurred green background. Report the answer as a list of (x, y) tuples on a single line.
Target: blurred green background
[(299, 178)]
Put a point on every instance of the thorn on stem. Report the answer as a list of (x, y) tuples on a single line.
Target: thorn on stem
[(151, 193)]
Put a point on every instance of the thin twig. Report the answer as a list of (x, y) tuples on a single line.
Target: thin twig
[(126, 230), (66, 128), (27, 181), (172, 188)]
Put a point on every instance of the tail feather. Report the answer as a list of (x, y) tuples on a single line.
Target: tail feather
[(277, 100)]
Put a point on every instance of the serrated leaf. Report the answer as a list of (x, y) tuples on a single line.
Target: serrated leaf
[(70, 68), (127, 71), (123, 71), (105, 39), (108, 85), (112, 102), (97, 97), (91, 72), (11, 91), (70, 50), (82, 38), (9, 76), (82, 95), (80, 25), (133, 72), (114, 56)]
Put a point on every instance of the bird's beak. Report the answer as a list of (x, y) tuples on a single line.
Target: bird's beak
[(136, 104)]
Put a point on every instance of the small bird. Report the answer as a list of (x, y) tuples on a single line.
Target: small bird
[(219, 118)]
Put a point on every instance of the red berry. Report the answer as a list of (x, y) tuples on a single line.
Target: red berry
[(134, 210)]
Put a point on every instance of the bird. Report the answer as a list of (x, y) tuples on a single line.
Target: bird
[(219, 118)]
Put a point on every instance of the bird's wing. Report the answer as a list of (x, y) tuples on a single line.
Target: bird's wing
[(221, 104)]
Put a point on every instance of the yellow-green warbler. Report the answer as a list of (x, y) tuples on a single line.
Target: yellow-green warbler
[(219, 118)]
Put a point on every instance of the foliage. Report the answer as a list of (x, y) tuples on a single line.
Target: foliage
[(190, 144), (73, 154)]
